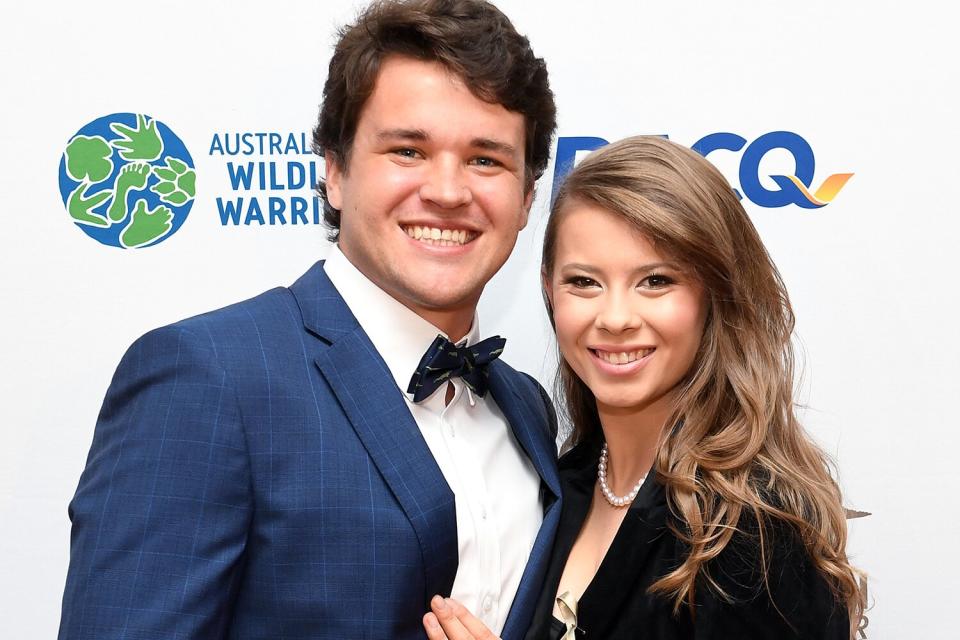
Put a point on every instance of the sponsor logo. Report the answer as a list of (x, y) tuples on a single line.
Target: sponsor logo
[(127, 180), (272, 175), (788, 189)]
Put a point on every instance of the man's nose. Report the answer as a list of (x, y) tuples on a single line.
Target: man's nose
[(445, 184)]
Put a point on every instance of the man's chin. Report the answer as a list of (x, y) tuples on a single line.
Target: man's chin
[(441, 298), (442, 302)]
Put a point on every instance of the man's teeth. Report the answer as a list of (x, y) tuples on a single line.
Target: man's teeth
[(622, 357), (440, 237)]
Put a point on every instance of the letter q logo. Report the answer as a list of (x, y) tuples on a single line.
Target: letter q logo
[(793, 189)]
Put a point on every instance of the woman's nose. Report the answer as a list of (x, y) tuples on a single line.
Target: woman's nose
[(618, 314)]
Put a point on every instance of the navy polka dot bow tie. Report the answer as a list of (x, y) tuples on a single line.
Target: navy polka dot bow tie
[(445, 360)]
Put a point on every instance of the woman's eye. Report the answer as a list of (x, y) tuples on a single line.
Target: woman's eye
[(581, 282), (656, 281)]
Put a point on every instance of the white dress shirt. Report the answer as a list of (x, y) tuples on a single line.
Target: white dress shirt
[(496, 487)]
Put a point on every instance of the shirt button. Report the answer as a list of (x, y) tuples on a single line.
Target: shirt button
[(483, 514), (487, 604)]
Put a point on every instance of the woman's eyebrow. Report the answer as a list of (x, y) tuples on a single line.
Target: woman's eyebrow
[(653, 266), (577, 266)]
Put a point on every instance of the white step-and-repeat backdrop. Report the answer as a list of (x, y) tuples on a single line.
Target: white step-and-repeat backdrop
[(766, 89)]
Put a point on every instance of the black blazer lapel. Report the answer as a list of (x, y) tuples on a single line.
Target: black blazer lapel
[(577, 492), (630, 561), (376, 409)]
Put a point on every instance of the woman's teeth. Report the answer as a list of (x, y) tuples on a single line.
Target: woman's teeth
[(622, 357)]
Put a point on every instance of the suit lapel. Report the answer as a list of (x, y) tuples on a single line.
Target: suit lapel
[(529, 425), (379, 415)]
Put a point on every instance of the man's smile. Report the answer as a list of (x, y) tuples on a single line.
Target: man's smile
[(439, 237)]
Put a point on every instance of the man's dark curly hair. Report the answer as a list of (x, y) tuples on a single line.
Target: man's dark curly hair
[(471, 38)]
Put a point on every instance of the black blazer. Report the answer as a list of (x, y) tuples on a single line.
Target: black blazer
[(616, 604)]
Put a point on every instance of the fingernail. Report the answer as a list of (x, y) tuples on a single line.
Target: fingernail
[(439, 603), (432, 622)]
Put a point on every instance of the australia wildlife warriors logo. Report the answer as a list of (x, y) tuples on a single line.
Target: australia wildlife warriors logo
[(127, 180)]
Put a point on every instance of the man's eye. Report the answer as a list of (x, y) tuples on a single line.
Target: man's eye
[(485, 162), (406, 152)]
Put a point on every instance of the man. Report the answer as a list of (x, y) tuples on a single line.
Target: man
[(295, 466)]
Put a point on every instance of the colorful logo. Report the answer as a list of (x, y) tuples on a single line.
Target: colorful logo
[(127, 180), (795, 188)]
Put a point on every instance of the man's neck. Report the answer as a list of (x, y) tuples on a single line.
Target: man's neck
[(454, 323)]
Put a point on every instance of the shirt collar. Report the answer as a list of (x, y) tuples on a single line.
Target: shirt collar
[(398, 334)]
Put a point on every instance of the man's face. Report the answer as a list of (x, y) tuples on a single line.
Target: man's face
[(434, 193)]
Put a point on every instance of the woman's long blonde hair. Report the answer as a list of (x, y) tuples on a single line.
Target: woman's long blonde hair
[(734, 443)]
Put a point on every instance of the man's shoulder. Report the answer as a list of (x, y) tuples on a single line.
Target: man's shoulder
[(239, 320), (262, 315), (523, 383), (530, 391), (271, 322)]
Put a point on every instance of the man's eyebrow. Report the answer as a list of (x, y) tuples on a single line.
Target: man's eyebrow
[(497, 146), (402, 134), (419, 135)]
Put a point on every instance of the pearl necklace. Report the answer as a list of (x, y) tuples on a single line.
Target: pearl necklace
[(613, 499)]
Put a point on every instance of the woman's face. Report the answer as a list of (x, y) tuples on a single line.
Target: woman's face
[(629, 319)]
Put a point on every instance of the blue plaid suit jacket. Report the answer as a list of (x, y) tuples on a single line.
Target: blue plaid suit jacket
[(255, 473)]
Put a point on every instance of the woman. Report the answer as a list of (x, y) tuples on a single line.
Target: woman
[(695, 506)]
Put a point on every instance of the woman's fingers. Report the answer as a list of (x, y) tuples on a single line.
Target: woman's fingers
[(477, 630), (450, 620), (450, 626), (433, 628)]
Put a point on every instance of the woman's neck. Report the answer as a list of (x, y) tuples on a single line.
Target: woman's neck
[(632, 438)]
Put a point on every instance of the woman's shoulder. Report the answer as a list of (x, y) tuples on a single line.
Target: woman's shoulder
[(772, 589)]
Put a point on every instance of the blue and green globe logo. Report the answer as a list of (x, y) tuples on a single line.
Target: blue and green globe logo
[(127, 180)]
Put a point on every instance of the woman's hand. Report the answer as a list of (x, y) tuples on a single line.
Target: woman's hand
[(450, 620)]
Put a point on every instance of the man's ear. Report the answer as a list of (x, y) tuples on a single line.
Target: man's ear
[(527, 203), (334, 174)]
